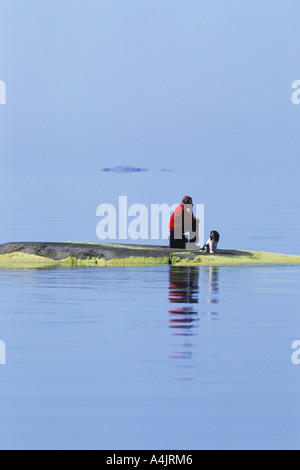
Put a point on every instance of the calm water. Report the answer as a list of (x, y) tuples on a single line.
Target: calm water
[(150, 358), (251, 212), (143, 358)]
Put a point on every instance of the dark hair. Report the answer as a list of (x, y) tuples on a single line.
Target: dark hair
[(187, 200)]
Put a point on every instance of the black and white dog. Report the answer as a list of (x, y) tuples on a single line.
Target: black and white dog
[(212, 243)]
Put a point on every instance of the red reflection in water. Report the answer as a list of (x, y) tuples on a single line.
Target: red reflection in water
[(183, 289)]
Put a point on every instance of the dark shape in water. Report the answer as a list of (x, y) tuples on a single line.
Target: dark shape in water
[(125, 169)]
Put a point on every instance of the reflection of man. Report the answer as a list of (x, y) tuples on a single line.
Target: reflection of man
[(183, 290), (183, 221), (184, 285)]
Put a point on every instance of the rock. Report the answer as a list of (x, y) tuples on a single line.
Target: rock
[(59, 251)]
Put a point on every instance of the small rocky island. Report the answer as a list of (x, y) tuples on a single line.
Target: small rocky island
[(19, 254), (59, 251)]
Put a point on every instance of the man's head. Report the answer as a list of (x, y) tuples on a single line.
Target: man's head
[(187, 200)]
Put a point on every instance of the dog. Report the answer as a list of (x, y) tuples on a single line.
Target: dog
[(212, 243)]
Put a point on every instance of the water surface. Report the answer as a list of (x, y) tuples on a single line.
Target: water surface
[(150, 358)]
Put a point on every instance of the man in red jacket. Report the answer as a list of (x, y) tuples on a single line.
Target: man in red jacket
[(183, 221)]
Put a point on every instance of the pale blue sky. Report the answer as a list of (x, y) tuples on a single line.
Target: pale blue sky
[(151, 83)]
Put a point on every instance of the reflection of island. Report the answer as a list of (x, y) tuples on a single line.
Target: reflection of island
[(183, 289), (125, 169)]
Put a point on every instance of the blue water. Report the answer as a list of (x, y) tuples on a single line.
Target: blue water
[(156, 357), (250, 212), (144, 358)]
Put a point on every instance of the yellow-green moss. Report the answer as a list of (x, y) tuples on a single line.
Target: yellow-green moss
[(131, 261), (257, 258), (24, 260), (139, 261)]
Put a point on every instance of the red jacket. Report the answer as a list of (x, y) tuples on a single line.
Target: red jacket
[(181, 218)]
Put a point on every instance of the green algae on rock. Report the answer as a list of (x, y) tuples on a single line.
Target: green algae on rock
[(254, 258), (28, 255), (129, 262), (24, 260)]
